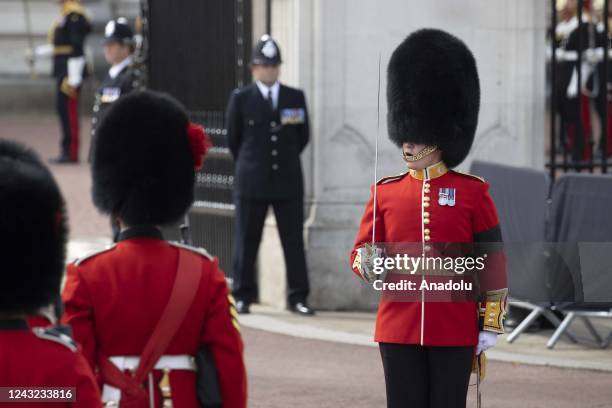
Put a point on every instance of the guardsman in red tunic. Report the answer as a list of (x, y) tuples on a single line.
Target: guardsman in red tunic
[(428, 344), (153, 316), (33, 225)]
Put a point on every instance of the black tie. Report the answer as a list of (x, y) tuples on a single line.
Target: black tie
[(270, 101)]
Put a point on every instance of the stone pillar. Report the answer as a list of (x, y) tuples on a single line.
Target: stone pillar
[(337, 48)]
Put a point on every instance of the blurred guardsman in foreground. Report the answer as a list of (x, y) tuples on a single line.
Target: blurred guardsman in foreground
[(153, 316), (267, 130), (121, 78), (428, 346), (34, 232), (66, 44)]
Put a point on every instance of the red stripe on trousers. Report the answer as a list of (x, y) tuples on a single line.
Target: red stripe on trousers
[(73, 117)]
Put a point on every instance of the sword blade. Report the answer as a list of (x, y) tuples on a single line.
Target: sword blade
[(376, 153), (28, 25), (478, 395)]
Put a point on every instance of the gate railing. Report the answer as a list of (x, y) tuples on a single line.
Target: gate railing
[(580, 87)]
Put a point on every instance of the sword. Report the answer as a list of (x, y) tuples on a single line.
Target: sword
[(376, 153), (478, 394), (28, 23)]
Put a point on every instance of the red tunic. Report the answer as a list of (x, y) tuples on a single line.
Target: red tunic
[(408, 211), (114, 299), (44, 360)]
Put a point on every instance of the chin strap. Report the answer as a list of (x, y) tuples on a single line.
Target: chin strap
[(426, 151)]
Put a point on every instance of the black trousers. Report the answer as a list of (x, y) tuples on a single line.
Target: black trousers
[(250, 217), (67, 110), (426, 377)]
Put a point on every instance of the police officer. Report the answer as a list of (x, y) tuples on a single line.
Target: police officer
[(121, 78), (267, 130), (34, 233), (66, 43), (146, 304), (427, 339)]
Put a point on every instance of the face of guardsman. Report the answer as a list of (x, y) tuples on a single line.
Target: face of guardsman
[(265, 73), (115, 52), (411, 149)]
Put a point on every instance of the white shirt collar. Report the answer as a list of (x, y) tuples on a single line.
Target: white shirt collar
[(264, 89), (117, 68)]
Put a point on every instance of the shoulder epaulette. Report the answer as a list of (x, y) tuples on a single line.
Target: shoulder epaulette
[(200, 251), (391, 179), (72, 7), (91, 255), (54, 334), (471, 175)]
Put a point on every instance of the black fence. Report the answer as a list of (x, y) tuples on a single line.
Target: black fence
[(211, 217), (580, 87), (198, 51)]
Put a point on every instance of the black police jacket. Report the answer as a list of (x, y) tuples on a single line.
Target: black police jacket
[(109, 91), (266, 144)]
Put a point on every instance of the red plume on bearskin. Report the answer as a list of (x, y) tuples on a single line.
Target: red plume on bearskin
[(199, 143)]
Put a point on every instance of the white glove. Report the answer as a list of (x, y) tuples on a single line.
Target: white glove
[(367, 254), (486, 340), (42, 51), (75, 71)]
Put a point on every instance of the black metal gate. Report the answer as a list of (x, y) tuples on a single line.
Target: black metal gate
[(580, 87), (197, 51)]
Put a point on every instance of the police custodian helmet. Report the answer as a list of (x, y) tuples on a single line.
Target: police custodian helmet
[(266, 52), (433, 94), (118, 30), (142, 161), (34, 231)]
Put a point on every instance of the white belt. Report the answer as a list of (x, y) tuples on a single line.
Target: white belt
[(112, 395)]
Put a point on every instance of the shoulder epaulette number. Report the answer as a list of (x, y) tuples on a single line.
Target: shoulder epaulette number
[(91, 255), (390, 179), (55, 335), (200, 251)]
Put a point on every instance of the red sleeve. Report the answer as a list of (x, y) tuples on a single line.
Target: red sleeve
[(222, 336), (485, 217), (365, 229), (487, 232), (87, 392), (78, 313), (493, 279)]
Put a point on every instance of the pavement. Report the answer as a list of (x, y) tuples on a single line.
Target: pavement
[(330, 360)]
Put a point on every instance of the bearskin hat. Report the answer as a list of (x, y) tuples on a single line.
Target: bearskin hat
[(142, 162), (34, 231), (433, 94)]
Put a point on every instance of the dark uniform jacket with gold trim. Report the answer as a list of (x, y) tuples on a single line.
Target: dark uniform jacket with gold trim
[(408, 211), (114, 299), (67, 35)]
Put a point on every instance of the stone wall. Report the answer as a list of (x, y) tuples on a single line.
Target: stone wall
[(334, 52)]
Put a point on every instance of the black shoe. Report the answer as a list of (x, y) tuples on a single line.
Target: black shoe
[(243, 307), (301, 308), (62, 159)]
